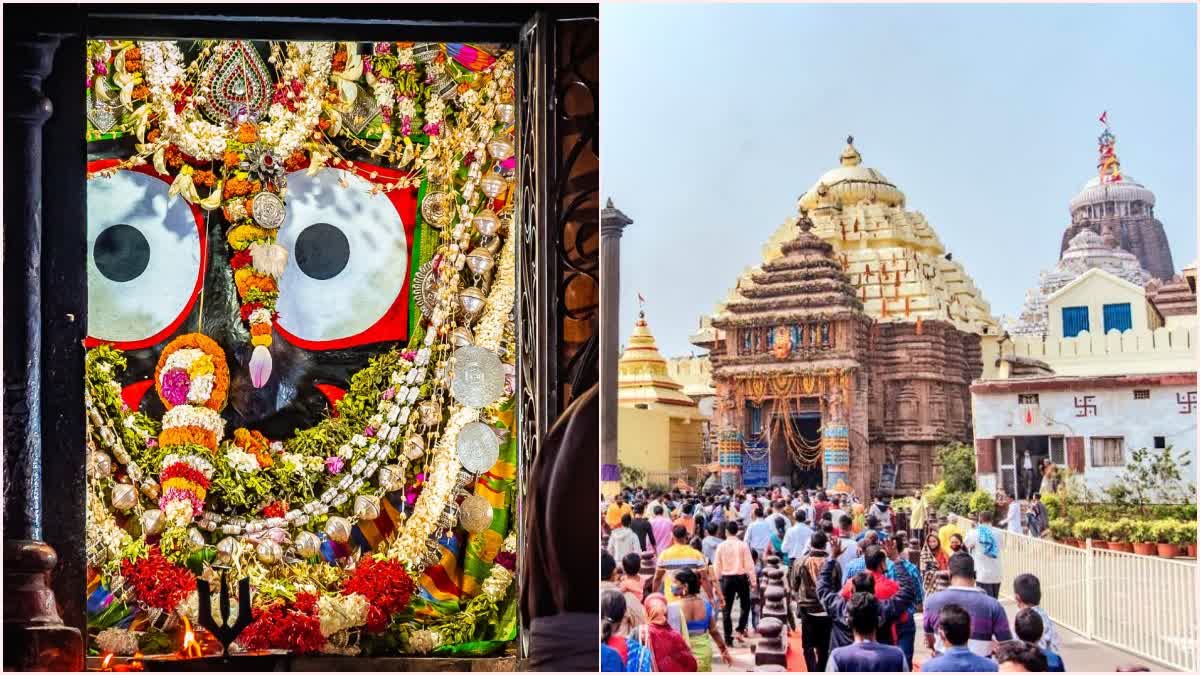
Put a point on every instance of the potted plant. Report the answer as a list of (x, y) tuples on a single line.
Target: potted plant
[(1083, 530), (1060, 530), (1118, 535), (1185, 536), (1143, 540), (1104, 529), (1163, 532)]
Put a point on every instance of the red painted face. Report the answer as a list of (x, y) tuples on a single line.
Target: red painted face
[(159, 267)]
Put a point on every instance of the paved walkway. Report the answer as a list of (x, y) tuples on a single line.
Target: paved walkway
[(1079, 654)]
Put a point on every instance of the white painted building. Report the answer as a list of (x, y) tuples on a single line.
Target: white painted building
[(1084, 397)]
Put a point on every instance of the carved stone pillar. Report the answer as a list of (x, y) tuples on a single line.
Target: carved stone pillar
[(34, 635), (612, 226)]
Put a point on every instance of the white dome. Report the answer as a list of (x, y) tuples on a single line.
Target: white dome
[(1125, 190)]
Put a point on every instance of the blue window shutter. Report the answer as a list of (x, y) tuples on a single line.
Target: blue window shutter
[(770, 338), (1118, 316), (795, 337), (1075, 320)]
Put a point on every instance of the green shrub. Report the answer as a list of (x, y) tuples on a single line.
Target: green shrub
[(1161, 531), (958, 503), (935, 494), (1174, 511), (981, 501), (1088, 528), (1054, 506), (1142, 532), (1060, 528), (958, 467), (1184, 533), (1121, 529)]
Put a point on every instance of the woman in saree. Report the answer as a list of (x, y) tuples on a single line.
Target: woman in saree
[(933, 560), (669, 651), (699, 621)]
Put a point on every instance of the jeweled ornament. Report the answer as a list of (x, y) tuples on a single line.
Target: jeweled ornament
[(478, 447), (500, 147), (124, 496), (425, 286), (267, 210), (437, 209), (476, 377), (361, 112), (337, 528), (238, 83), (475, 513), (472, 302), (493, 184), (307, 544)]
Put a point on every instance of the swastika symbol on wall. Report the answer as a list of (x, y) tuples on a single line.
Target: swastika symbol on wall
[(1187, 402), (1085, 406)]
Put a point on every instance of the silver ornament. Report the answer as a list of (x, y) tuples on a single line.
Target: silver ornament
[(150, 488), (124, 496), (269, 552), (366, 507), (480, 260), (437, 209), (337, 528), (229, 549), (506, 112), (197, 538), (475, 514), (414, 447), (267, 210), (391, 477), (100, 467), (307, 544), (153, 521), (471, 301), (493, 184), (461, 337), (478, 448), (486, 222), (477, 377), (500, 147), (431, 413)]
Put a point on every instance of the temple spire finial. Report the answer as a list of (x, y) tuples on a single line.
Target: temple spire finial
[(850, 156), (1109, 166)]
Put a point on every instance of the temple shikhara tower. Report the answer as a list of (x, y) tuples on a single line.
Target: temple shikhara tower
[(1113, 204), (845, 359)]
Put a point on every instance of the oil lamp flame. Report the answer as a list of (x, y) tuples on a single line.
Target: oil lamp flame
[(106, 665), (190, 648)]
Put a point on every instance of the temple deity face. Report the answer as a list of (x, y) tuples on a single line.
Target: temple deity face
[(159, 267)]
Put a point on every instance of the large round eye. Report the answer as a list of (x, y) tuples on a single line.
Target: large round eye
[(347, 272), (145, 258)]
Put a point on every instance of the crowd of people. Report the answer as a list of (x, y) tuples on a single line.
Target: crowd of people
[(855, 584)]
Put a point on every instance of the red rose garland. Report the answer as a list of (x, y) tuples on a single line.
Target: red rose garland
[(280, 626), (386, 586), (156, 581)]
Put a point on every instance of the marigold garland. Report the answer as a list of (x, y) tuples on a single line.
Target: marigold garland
[(220, 390)]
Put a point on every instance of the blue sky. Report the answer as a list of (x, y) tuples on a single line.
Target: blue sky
[(715, 118)]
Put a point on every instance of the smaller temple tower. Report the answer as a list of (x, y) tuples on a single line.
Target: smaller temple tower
[(660, 428)]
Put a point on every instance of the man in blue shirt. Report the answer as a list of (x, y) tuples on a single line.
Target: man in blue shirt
[(954, 628), (758, 534), (1028, 626), (906, 631), (865, 655)]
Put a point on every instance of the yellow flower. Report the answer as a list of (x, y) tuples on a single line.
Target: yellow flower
[(201, 366), (261, 340)]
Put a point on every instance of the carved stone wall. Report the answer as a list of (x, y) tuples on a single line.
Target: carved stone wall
[(1142, 236)]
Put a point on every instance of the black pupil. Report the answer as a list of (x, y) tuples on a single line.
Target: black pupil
[(121, 252), (322, 251)]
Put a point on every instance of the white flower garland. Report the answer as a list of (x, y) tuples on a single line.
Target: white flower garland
[(341, 612), (195, 416), (117, 641)]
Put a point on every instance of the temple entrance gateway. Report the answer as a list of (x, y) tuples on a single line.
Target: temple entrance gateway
[(806, 463)]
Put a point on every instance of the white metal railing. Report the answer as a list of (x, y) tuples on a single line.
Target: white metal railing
[(1143, 604)]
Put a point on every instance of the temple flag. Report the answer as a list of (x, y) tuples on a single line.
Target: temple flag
[(1104, 118)]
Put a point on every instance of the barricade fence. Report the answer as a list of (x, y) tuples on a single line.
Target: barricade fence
[(1143, 604)]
